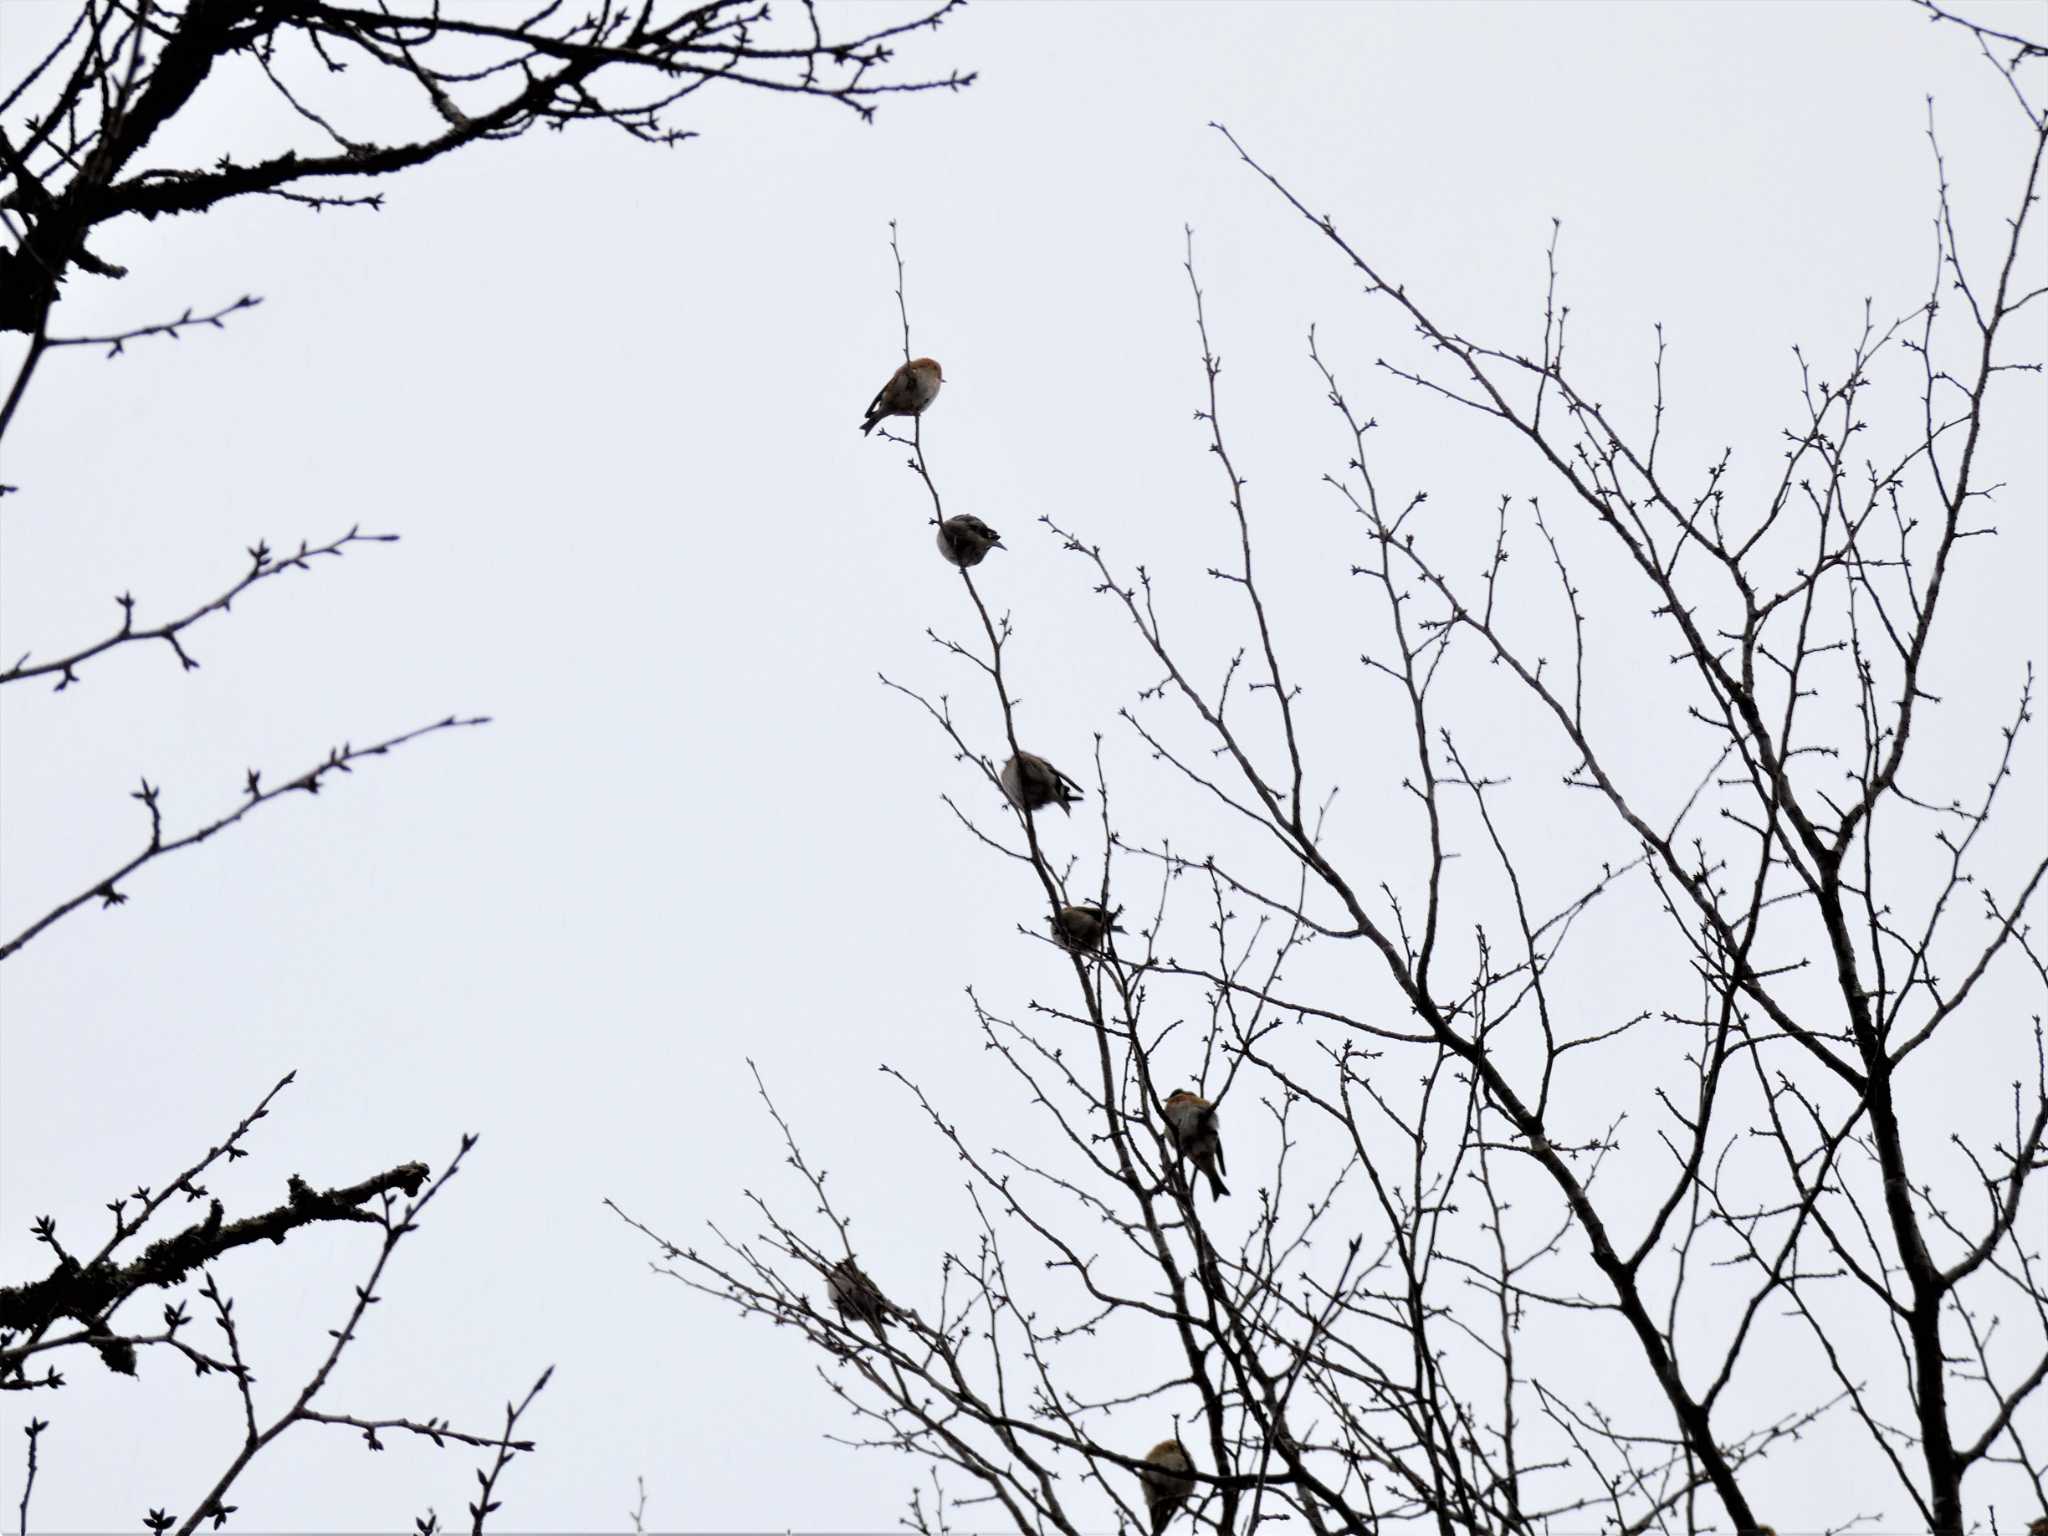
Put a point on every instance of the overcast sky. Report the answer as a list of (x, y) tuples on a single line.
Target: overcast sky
[(608, 395)]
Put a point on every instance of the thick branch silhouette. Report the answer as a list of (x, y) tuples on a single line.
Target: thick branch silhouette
[(87, 1294)]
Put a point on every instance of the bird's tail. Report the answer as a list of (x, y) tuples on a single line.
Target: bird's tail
[(1216, 1183)]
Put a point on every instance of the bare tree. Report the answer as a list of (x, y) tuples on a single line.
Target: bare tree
[(367, 93), (1523, 1248), (79, 1305)]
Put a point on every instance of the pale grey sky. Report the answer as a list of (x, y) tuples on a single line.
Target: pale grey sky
[(608, 395)]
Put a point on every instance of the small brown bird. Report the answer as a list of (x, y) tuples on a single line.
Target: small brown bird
[(1030, 783), (1166, 1490), (965, 539), (1082, 928), (2038, 1527), (1191, 1126), (910, 391), (856, 1296)]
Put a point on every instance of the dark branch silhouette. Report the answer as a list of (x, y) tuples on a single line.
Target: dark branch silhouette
[(339, 759), (87, 1295), (264, 563), (93, 1292)]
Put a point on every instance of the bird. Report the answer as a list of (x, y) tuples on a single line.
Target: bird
[(1082, 928), (910, 391), (856, 1296), (1166, 1488), (2038, 1527), (1191, 1125), (965, 539), (1030, 783)]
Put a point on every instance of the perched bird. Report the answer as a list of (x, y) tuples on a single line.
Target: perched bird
[(966, 538), (2038, 1527), (1082, 928), (1166, 1488), (1030, 783), (910, 391), (856, 1296), (1191, 1125)]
